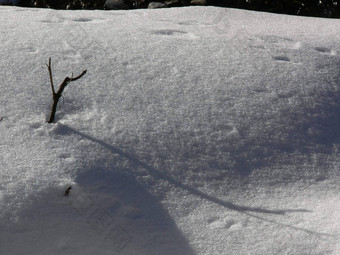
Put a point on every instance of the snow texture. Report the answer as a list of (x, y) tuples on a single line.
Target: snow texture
[(196, 130)]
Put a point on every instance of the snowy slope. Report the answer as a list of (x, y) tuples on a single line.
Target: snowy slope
[(196, 130)]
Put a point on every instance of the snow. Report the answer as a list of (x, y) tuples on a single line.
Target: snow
[(196, 130)]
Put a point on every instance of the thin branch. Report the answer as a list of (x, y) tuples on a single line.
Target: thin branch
[(66, 81), (51, 77), (79, 76), (58, 94)]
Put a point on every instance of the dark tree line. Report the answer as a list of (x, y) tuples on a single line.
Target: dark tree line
[(64, 4), (74, 4), (316, 8)]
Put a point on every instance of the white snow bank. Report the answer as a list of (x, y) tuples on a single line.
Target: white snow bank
[(196, 130)]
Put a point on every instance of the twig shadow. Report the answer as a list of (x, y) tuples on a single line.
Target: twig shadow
[(163, 176)]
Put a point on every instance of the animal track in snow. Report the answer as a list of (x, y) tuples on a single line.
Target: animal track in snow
[(92, 20), (322, 49), (281, 58), (326, 50), (259, 89), (187, 23), (173, 32), (82, 20), (168, 32)]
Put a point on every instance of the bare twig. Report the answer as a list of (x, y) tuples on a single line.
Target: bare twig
[(58, 94), (50, 72)]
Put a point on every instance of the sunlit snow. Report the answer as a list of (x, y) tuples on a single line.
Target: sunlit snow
[(198, 130)]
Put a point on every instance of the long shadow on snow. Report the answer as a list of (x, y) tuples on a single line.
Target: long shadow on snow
[(163, 176)]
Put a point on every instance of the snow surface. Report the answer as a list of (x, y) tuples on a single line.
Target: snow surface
[(196, 130)]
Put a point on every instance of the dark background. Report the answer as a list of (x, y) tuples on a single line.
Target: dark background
[(316, 8)]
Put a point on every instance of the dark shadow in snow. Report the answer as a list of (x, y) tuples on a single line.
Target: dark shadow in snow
[(122, 206), (163, 176), (306, 128), (327, 121), (105, 212)]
